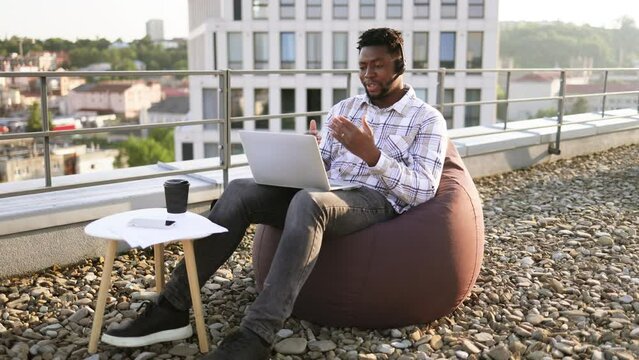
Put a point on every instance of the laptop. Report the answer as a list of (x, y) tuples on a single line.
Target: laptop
[(288, 160)]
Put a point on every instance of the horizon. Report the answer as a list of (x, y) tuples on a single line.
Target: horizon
[(83, 19), (5, 37)]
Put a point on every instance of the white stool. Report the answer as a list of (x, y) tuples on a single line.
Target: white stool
[(114, 228)]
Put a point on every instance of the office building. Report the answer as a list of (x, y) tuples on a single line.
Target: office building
[(322, 34)]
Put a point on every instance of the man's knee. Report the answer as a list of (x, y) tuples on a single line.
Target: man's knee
[(240, 185), (307, 201)]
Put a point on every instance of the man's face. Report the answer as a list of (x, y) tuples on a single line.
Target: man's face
[(377, 71)]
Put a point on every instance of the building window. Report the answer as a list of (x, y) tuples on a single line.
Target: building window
[(237, 10), (287, 50), (449, 9), (237, 107), (313, 9), (234, 44), (339, 95), (214, 51), (314, 50), (421, 9), (340, 9), (260, 9), (236, 149), (340, 50), (209, 107), (420, 50), (472, 111), (260, 50), (394, 9), (476, 9), (287, 9), (210, 150), (366, 9), (314, 103), (422, 93), (187, 151), (288, 106), (474, 50), (447, 50), (448, 111), (261, 107)]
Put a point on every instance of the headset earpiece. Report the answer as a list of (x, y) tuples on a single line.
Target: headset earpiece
[(400, 64)]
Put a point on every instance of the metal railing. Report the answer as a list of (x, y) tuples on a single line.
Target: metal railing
[(225, 121)]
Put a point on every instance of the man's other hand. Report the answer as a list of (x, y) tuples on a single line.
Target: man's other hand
[(312, 130)]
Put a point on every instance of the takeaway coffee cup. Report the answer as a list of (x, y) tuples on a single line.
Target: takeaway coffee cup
[(176, 195)]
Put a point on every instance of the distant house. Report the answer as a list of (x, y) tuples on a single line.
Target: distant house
[(537, 84), (171, 109), (595, 103), (124, 98)]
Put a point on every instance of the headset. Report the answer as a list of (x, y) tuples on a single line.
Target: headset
[(400, 64)]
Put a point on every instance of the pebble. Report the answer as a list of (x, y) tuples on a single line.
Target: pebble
[(558, 279), (184, 350), (284, 333), (322, 345), (291, 346)]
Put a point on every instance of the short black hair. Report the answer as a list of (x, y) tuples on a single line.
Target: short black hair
[(390, 38)]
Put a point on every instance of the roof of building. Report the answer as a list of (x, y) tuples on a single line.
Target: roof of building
[(103, 87), (171, 105), (538, 77), (598, 88)]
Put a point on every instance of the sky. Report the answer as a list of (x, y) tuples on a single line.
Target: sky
[(126, 19)]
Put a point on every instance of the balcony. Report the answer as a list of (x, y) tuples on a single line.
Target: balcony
[(560, 274)]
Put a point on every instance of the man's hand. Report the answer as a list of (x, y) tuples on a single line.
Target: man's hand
[(312, 130), (358, 141)]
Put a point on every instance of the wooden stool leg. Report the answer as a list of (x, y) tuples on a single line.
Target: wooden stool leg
[(105, 286), (194, 286), (158, 256)]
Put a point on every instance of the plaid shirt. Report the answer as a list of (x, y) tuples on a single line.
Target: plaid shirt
[(411, 136)]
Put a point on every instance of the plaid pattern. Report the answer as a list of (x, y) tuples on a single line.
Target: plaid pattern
[(411, 136)]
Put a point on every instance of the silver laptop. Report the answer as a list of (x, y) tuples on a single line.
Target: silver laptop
[(288, 160)]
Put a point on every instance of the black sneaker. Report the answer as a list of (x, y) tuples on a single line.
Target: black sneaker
[(156, 323), (241, 344)]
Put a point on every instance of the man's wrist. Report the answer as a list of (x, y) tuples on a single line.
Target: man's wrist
[(373, 159)]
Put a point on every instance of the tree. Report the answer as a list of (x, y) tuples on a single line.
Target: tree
[(34, 122), (550, 112), (140, 151), (579, 107)]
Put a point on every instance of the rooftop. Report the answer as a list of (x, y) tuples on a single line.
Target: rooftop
[(560, 279), (171, 105)]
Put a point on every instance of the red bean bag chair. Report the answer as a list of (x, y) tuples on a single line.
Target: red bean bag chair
[(412, 269)]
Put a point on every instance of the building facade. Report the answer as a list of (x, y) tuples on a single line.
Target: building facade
[(155, 29), (124, 98), (322, 34)]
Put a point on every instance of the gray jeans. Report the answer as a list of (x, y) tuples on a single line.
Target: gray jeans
[(306, 217)]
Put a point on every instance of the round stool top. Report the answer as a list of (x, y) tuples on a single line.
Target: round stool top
[(187, 226)]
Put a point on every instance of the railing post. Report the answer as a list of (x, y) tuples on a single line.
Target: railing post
[(441, 77), (605, 89), (44, 107), (225, 126), (349, 80), (507, 98), (555, 150)]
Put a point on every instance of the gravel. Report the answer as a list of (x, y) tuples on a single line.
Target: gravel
[(560, 279)]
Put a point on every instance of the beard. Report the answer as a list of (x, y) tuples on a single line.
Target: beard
[(384, 89)]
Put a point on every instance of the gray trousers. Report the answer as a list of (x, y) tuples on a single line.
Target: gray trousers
[(305, 216)]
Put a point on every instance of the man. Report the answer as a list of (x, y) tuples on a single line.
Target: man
[(388, 141)]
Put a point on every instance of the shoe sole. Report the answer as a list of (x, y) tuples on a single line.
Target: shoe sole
[(161, 336)]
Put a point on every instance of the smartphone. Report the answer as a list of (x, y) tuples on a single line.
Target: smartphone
[(152, 223)]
